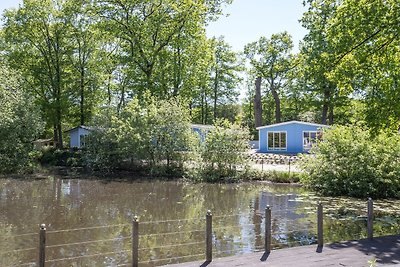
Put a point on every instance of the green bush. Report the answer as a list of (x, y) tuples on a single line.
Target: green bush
[(20, 124), (224, 152), (272, 176), (150, 132), (60, 157), (350, 162)]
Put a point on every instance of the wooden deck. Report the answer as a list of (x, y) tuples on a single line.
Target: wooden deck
[(385, 250)]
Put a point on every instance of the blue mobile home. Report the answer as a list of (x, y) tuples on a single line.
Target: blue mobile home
[(290, 137), (78, 136)]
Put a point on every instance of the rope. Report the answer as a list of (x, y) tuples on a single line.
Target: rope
[(180, 220), (228, 251), (180, 257), (173, 233), (13, 236), (89, 242), (86, 228), (88, 256), (24, 264), (293, 231), (17, 250), (173, 245)]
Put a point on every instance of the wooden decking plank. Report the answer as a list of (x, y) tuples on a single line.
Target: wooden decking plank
[(386, 251)]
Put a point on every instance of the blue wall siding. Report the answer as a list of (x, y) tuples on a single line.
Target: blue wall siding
[(294, 137), (75, 136)]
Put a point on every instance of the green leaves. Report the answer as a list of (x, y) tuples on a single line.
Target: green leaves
[(20, 125), (224, 151), (351, 162)]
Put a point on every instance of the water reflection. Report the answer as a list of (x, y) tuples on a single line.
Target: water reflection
[(88, 221)]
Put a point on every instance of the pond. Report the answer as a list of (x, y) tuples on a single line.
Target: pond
[(89, 221)]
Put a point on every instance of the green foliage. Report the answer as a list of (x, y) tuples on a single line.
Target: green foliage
[(57, 157), (223, 153), (153, 133), (271, 176), (20, 124), (351, 162)]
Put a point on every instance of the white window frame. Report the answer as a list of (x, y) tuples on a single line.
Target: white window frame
[(308, 147), (277, 149)]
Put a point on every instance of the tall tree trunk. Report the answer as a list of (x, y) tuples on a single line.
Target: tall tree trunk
[(330, 115), (277, 104), (325, 106), (202, 106), (257, 103), (215, 94), (82, 100)]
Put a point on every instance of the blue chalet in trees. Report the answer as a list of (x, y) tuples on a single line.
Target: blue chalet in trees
[(78, 136), (289, 137)]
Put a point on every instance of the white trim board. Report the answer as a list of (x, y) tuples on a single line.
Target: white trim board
[(293, 122)]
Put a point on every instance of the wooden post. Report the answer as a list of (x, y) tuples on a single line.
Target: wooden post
[(320, 225), (267, 242), (370, 228), (209, 236), (42, 245), (135, 242)]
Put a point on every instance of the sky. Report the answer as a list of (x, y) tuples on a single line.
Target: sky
[(247, 20)]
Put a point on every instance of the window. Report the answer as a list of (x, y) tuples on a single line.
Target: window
[(83, 140), (276, 140), (310, 138)]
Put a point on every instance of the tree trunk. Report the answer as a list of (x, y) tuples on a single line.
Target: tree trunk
[(330, 115), (325, 106), (215, 95), (277, 105), (82, 91), (257, 103)]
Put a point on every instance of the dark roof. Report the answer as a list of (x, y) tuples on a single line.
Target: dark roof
[(80, 126)]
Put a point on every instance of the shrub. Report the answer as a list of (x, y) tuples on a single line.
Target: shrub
[(223, 153), (20, 124), (152, 132), (351, 162)]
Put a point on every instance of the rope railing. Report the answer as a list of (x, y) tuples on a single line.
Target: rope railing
[(88, 242), (219, 252), (309, 235), (173, 258), (23, 264), (86, 228), (168, 221), (17, 250), (87, 256), (172, 245), (19, 235), (293, 231), (171, 233)]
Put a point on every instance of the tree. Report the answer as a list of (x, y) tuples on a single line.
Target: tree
[(318, 56), (366, 37), (84, 39), (150, 28), (36, 44), (224, 74), (272, 61), (20, 124)]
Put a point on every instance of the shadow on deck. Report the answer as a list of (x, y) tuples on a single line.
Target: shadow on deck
[(381, 250)]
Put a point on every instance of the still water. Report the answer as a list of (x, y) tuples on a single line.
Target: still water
[(89, 221)]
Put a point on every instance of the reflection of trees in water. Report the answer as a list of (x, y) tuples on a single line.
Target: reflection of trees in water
[(238, 220)]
